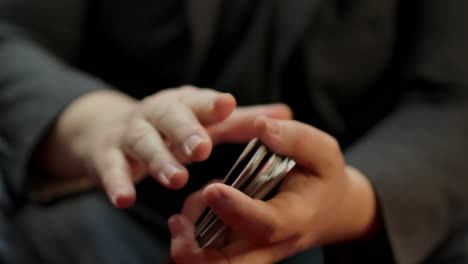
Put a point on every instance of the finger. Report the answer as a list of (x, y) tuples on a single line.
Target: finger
[(114, 175), (209, 106), (308, 146), (185, 248), (239, 126), (182, 129), (145, 144), (194, 204), (181, 114), (254, 219)]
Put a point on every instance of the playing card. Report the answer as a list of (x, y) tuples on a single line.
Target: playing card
[(256, 172)]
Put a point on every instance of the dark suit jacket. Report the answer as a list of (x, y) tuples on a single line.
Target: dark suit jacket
[(388, 78)]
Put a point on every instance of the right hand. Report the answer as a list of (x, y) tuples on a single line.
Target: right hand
[(321, 201), (117, 140)]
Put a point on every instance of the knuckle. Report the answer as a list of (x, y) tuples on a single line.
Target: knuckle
[(135, 135), (269, 234), (148, 102), (155, 165), (189, 128), (187, 88), (136, 131), (333, 149), (99, 167), (102, 161), (209, 91), (180, 254), (160, 116), (157, 103), (331, 143), (157, 161), (157, 110)]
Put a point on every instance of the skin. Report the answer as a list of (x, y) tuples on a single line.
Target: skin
[(117, 140), (321, 201)]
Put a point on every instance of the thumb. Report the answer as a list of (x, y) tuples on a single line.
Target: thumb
[(254, 219), (308, 146)]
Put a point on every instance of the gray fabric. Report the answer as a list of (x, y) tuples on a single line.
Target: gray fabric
[(415, 158), (5, 210), (387, 78), (87, 229), (34, 84)]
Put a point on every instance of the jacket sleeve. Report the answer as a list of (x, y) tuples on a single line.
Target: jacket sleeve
[(38, 40), (416, 158)]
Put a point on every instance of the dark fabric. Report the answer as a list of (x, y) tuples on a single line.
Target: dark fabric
[(87, 229), (415, 157), (139, 48), (35, 84), (5, 221), (387, 78)]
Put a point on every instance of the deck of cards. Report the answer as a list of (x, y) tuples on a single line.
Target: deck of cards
[(256, 172)]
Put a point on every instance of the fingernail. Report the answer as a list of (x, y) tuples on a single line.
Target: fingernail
[(174, 226), (192, 142), (215, 101), (121, 198), (167, 172)]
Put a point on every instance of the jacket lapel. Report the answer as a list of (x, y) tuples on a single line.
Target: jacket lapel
[(202, 22)]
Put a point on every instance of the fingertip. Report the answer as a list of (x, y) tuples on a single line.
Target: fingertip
[(184, 247), (224, 104), (282, 111), (172, 176), (181, 227), (175, 226), (260, 123), (178, 180), (222, 107), (201, 151), (123, 199), (214, 195), (116, 179), (267, 127)]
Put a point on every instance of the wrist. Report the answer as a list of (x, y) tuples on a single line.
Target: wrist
[(362, 213), (353, 216)]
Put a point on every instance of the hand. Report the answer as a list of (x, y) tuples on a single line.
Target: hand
[(237, 249), (117, 140), (321, 201)]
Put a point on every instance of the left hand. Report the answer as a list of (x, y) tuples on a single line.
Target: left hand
[(156, 136), (321, 201)]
